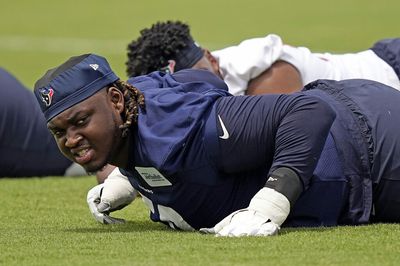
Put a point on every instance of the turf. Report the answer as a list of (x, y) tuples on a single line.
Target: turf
[(37, 35), (45, 221)]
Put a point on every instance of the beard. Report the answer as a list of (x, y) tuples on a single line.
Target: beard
[(113, 152), (91, 169)]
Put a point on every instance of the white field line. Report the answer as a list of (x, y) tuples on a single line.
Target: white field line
[(58, 44), (68, 45)]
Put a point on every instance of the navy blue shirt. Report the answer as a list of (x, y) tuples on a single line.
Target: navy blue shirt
[(199, 153), (198, 179)]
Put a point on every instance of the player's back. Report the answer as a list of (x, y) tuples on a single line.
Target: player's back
[(361, 65)]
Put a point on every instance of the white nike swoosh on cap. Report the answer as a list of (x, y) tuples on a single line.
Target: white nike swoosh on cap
[(225, 134)]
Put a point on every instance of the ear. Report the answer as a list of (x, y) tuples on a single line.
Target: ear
[(213, 61), (116, 99), (210, 57)]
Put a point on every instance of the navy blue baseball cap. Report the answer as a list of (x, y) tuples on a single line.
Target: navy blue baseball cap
[(188, 56), (72, 82), (185, 58)]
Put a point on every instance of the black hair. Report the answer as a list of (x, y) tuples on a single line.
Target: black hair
[(134, 99), (155, 46)]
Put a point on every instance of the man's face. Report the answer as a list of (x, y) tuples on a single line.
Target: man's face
[(88, 133)]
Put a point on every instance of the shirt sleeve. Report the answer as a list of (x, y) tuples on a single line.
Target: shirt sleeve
[(241, 63), (301, 135), (273, 131), (311, 66)]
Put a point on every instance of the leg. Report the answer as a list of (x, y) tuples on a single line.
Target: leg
[(389, 51), (387, 202), (26, 146)]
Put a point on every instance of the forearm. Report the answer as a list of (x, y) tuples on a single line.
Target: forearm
[(301, 136), (275, 200), (285, 181)]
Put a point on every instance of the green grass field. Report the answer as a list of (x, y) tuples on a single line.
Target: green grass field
[(45, 221)]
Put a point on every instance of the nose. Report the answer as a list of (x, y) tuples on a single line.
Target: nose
[(72, 139)]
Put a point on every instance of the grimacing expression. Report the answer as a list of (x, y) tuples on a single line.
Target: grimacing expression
[(88, 133)]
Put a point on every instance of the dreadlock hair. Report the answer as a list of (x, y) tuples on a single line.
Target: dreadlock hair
[(133, 99), (155, 46)]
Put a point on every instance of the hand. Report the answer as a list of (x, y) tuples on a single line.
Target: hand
[(114, 194), (244, 222), (267, 210)]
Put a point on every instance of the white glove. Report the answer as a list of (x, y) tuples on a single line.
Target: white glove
[(114, 194), (267, 210)]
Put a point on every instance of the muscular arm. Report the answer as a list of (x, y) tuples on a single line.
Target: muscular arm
[(274, 130), (281, 77)]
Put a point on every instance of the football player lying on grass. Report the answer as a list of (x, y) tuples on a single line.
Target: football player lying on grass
[(259, 65), (205, 160)]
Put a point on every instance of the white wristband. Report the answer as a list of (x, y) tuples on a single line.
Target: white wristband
[(117, 191), (272, 204)]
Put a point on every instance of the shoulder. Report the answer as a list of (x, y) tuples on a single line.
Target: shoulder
[(184, 81), (199, 75), (266, 42)]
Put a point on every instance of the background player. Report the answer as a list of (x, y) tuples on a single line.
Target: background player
[(259, 65), (26, 147)]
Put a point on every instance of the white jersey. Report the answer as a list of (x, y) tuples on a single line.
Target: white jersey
[(239, 64)]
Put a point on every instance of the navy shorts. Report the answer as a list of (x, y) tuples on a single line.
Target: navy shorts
[(386, 208), (376, 111), (389, 51), (379, 105)]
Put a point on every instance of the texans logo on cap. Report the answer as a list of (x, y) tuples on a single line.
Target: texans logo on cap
[(47, 95)]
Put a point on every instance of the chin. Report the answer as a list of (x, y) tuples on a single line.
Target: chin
[(93, 168)]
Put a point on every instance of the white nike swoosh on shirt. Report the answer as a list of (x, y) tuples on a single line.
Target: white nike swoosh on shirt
[(225, 134)]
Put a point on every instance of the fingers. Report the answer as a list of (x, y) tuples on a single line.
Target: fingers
[(243, 223), (103, 207), (219, 226), (107, 219), (266, 229), (93, 199), (97, 208), (207, 230), (226, 221), (117, 192), (100, 206), (112, 220)]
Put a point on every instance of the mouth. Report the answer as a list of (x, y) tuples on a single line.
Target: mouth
[(83, 156)]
